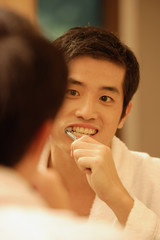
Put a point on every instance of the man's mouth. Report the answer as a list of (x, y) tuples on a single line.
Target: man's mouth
[(80, 131)]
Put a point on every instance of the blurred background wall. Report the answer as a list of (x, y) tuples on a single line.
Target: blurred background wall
[(27, 8), (139, 27), (56, 16), (137, 23)]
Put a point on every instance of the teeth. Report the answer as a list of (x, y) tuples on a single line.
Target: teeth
[(77, 134), (85, 130), (69, 129), (79, 131)]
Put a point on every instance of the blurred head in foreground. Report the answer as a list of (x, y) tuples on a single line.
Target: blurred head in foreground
[(33, 78)]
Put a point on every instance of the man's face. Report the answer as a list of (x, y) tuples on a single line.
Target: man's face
[(93, 103)]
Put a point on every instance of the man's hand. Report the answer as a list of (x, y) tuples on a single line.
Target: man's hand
[(95, 159)]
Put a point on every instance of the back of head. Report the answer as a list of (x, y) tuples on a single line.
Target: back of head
[(33, 78), (99, 43)]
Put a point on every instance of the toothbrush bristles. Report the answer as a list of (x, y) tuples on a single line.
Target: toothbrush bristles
[(70, 134)]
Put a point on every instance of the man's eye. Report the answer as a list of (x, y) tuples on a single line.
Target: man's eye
[(106, 99), (72, 92)]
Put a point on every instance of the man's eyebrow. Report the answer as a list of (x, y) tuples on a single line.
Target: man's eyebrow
[(76, 82), (107, 88), (111, 89)]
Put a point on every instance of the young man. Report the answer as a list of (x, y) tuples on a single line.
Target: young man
[(33, 79), (105, 180)]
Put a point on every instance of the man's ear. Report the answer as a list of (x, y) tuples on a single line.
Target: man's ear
[(28, 164), (123, 119), (40, 138)]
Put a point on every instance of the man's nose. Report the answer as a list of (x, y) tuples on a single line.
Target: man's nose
[(86, 110)]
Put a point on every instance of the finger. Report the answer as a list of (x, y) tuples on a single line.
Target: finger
[(84, 145), (86, 138), (85, 163), (77, 153), (88, 142)]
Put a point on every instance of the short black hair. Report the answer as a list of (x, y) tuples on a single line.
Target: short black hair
[(33, 79), (100, 43)]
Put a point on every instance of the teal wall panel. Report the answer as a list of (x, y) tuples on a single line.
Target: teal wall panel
[(56, 16)]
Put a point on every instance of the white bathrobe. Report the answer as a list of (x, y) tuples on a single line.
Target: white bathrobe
[(140, 175), (14, 189), (25, 216)]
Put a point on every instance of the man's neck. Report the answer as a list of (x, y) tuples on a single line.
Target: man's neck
[(73, 178)]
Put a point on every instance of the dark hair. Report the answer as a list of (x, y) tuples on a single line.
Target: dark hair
[(33, 79), (99, 43)]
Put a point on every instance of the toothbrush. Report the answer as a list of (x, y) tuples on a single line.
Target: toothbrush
[(70, 134), (74, 138)]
